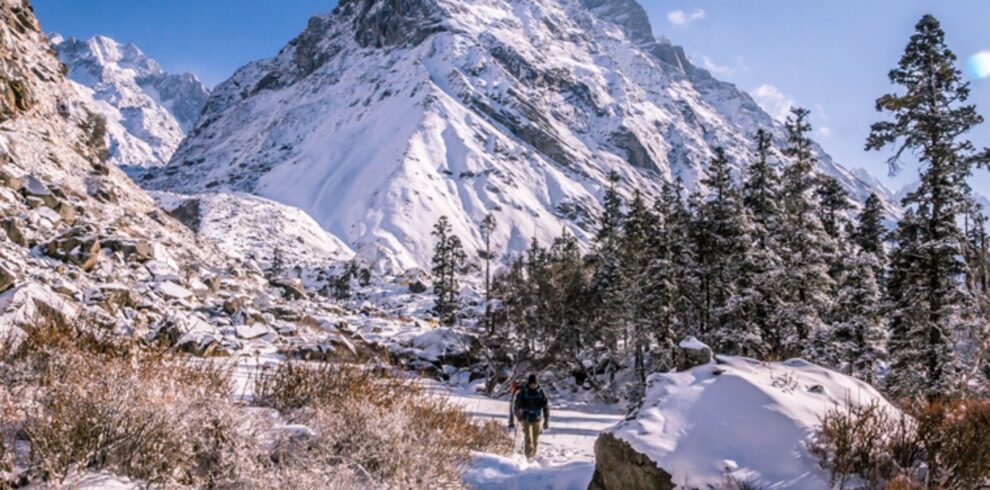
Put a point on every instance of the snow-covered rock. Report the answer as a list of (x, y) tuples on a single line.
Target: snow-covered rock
[(741, 418), (148, 111), (384, 115)]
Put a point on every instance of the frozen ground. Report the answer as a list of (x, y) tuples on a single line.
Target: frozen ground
[(566, 458)]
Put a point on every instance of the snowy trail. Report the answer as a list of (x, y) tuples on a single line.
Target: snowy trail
[(566, 458)]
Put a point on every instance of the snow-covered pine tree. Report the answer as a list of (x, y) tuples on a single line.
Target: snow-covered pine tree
[(638, 227), (870, 235), (805, 246), (723, 245), (833, 201), (487, 228), (448, 260), (670, 268), (608, 282), (760, 269), (859, 332), (933, 307)]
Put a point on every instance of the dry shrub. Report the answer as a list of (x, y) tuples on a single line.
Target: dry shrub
[(859, 440), (377, 426), (954, 436), (938, 444), (92, 401)]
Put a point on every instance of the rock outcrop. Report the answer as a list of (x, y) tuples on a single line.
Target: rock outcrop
[(620, 467)]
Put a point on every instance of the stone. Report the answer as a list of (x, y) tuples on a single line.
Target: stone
[(620, 467), (67, 212), (13, 231), (11, 181), (116, 297), (418, 287), (188, 213), (248, 332), (172, 290), (7, 279), (77, 246), (693, 353), (134, 250), (291, 288), (162, 271), (233, 305), (37, 189)]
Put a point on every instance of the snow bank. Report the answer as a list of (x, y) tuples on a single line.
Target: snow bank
[(742, 416)]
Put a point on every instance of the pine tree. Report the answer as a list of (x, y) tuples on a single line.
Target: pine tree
[(833, 200), (760, 270), (933, 305), (448, 260), (858, 333), (277, 267), (670, 270), (721, 234), (805, 246), (870, 231), (487, 228), (639, 225), (608, 282)]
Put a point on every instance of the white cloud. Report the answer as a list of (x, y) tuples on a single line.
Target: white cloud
[(824, 131), (715, 68), (772, 100), (682, 18)]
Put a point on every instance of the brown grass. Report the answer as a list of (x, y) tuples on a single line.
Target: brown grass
[(89, 401), (378, 424)]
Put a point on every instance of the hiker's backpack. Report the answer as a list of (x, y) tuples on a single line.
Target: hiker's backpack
[(530, 403)]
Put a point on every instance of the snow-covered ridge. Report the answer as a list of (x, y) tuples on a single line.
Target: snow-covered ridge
[(384, 115), (148, 111)]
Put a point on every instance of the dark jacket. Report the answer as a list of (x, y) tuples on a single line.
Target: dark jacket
[(529, 405)]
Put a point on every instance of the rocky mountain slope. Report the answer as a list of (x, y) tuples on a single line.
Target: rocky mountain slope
[(148, 111), (384, 115), (79, 239)]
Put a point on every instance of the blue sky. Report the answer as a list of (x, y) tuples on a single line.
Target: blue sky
[(830, 56)]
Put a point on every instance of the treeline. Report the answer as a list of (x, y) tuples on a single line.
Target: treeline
[(774, 263)]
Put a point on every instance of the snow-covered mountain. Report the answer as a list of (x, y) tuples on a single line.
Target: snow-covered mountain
[(148, 111), (386, 114)]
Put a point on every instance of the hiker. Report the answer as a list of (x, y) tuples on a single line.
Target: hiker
[(530, 405)]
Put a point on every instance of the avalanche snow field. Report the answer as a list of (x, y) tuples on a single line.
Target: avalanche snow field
[(566, 459)]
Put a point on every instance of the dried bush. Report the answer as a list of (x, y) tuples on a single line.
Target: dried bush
[(378, 426), (954, 437), (938, 444), (92, 402)]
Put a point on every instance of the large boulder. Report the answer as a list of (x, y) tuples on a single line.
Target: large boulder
[(738, 420), (292, 288), (37, 189), (7, 279), (693, 353), (13, 231), (620, 467), (78, 246)]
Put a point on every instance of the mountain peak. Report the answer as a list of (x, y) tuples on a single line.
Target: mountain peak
[(388, 114), (147, 110)]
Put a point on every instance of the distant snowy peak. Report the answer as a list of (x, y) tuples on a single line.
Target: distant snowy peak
[(148, 111), (386, 114)]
